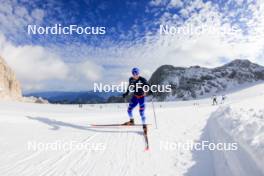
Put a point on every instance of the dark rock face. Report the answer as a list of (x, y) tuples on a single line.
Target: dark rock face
[(195, 82)]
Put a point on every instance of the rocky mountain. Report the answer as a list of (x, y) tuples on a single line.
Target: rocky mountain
[(9, 85), (196, 82)]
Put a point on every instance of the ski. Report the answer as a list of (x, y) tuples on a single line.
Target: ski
[(115, 125), (122, 125)]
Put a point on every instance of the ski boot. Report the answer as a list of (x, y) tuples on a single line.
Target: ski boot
[(145, 129), (129, 123)]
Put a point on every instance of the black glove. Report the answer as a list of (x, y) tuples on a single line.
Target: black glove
[(150, 92), (124, 95)]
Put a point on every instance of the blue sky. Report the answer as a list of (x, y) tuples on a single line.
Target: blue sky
[(119, 17), (75, 62), (124, 20)]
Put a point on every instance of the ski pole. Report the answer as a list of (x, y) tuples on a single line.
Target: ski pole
[(155, 118)]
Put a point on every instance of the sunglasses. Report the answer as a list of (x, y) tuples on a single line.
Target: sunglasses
[(135, 73)]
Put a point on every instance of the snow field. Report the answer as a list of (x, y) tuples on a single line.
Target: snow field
[(121, 149)]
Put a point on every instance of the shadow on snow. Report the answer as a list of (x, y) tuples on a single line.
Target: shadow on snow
[(56, 125), (204, 164)]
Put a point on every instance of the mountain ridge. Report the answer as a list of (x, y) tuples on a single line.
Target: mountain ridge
[(196, 82), (187, 83)]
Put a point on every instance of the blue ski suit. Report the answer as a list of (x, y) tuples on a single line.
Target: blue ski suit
[(138, 97)]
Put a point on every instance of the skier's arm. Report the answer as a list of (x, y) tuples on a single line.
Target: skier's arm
[(145, 82), (127, 91)]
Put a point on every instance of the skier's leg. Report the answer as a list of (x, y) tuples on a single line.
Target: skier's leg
[(133, 103), (142, 109), (142, 114)]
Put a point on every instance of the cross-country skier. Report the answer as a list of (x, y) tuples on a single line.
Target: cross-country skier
[(214, 100), (136, 85), (223, 99)]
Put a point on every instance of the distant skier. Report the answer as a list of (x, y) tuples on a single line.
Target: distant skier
[(223, 99), (214, 100), (137, 82)]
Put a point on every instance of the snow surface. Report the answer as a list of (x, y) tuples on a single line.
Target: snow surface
[(239, 119)]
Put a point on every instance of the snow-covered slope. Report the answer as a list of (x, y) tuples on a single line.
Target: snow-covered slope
[(246, 128), (120, 150)]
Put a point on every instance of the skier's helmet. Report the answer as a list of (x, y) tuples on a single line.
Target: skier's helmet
[(135, 71)]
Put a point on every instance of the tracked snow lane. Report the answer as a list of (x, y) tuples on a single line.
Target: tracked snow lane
[(124, 147)]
